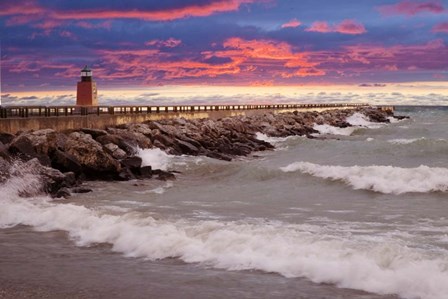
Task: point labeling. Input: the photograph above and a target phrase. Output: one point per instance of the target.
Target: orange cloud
(292, 24)
(244, 60)
(29, 11)
(157, 15)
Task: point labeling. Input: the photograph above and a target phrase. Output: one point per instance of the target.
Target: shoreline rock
(64, 159)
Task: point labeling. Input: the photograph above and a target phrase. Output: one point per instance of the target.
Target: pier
(17, 118)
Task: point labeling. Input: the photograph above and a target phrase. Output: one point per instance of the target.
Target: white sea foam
(327, 129)
(383, 266)
(357, 120)
(157, 190)
(380, 264)
(393, 120)
(384, 179)
(155, 157)
(360, 120)
(273, 140)
(405, 141)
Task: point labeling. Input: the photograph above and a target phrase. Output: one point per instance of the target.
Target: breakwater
(14, 119)
(64, 158)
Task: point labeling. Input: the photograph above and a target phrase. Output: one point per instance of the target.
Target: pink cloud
(292, 24)
(26, 11)
(319, 26)
(442, 27)
(157, 15)
(345, 27)
(350, 27)
(411, 8)
(21, 7)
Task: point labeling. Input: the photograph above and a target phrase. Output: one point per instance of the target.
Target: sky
(391, 51)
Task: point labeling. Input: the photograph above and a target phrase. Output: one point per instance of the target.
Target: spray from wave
(327, 129)
(385, 266)
(383, 179)
(357, 120)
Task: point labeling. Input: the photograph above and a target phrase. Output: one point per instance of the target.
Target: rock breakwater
(64, 159)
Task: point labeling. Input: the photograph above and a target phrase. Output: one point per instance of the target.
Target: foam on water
(360, 120)
(357, 120)
(384, 179)
(155, 157)
(378, 264)
(159, 159)
(274, 140)
(327, 129)
(157, 190)
(405, 141)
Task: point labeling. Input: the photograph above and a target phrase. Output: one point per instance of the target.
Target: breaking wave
(357, 120)
(383, 179)
(327, 129)
(155, 157)
(360, 120)
(381, 265)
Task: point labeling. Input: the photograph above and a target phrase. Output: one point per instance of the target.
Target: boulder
(134, 139)
(126, 174)
(95, 161)
(115, 151)
(95, 133)
(145, 172)
(6, 138)
(133, 163)
(66, 162)
(117, 140)
(22, 148)
(187, 148)
(50, 180)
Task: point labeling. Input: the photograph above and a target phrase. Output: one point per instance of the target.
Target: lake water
(360, 214)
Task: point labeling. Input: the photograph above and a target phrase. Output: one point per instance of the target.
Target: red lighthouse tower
(86, 92)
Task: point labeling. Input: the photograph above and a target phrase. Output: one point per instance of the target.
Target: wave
(327, 129)
(405, 141)
(360, 120)
(158, 159)
(383, 179)
(264, 137)
(382, 265)
(357, 120)
(423, 141)
(155, 157)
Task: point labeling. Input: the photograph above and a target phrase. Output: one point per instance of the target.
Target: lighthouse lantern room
(86, 92)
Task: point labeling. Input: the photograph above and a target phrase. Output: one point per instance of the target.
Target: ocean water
(359, 214)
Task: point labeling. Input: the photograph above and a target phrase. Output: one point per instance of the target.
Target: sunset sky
(209, 49)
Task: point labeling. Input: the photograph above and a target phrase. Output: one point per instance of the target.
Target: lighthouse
(86, 92)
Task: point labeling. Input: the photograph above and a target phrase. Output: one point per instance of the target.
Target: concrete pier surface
(14, 118)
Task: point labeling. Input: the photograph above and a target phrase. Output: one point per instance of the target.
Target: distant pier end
(86, 94)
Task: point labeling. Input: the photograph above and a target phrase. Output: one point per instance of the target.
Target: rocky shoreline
(63, 160)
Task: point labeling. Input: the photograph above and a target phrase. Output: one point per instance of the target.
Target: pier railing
(61, 111)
